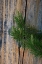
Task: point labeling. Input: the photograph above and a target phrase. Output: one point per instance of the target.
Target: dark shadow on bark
(24, 29)
(19, 45)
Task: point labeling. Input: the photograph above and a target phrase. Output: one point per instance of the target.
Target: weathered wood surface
(9, 53)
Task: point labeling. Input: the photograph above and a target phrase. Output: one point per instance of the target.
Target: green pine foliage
(33, 37)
